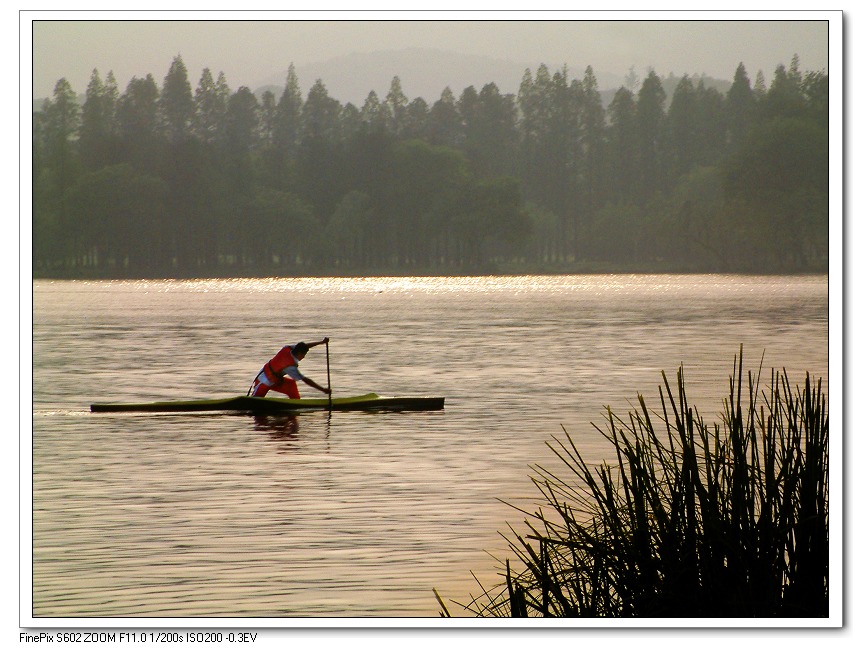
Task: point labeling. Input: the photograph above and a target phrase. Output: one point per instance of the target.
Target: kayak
(254, 405)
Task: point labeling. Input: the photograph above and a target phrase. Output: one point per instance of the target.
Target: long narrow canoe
(254, 405)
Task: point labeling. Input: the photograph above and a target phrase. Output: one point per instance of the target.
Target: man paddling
(282, 372)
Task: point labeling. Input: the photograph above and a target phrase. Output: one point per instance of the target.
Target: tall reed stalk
(692, 520)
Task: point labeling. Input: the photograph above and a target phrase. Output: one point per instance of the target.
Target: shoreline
(508, 270)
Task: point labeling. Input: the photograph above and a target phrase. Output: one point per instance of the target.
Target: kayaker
(282, 372)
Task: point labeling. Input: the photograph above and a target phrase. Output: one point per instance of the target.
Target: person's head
(299, 350)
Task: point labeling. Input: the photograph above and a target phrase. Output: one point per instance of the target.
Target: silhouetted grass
(692, 520)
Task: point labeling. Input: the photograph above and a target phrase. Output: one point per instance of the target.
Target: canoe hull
(253, 405)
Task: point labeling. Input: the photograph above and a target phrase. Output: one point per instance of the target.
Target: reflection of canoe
(274, 405)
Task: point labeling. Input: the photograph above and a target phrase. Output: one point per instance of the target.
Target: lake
(351, 514)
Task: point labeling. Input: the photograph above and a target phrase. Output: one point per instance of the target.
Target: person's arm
(309, 381)
(314, 344)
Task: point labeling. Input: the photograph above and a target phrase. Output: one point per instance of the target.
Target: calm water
(356, 514)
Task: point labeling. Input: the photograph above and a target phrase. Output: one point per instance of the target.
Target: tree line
(171, 181)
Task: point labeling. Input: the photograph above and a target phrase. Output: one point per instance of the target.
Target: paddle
(328, 382)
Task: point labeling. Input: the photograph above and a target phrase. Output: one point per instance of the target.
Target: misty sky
(251, 51)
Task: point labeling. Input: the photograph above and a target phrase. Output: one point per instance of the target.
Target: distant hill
(427, 72)
(423, 73)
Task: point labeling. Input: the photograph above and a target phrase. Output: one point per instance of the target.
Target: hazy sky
(251, 51)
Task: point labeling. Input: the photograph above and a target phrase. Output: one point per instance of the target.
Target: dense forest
(170, 181)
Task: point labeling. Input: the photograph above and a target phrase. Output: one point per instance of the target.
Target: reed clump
(691, 520)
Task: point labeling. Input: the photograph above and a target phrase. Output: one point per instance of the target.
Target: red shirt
(284, 363)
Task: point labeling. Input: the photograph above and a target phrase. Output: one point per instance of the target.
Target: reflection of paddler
(282, 372)
(280, 428)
